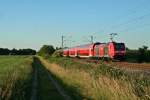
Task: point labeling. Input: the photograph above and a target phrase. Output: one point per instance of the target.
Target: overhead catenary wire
(130, 21)
(116, 26)
(89, 38)
(134, 28)
(67, 41)
(134, 20)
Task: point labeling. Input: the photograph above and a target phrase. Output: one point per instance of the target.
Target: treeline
(6, 51)
(140, 55)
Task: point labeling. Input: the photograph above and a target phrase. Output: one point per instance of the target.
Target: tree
(127, 49)
(143, 54)
(46, 50)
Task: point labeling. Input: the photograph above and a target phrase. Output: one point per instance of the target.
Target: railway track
(136, 66)
(121, 65)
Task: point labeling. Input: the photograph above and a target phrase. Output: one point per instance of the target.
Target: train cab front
(119, 51)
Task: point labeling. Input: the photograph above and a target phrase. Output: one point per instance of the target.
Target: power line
(89, 39)
(132, 21)
(66, 41)
(129, 21)
(135, 27)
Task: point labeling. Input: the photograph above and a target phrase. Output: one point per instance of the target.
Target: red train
(111, 50)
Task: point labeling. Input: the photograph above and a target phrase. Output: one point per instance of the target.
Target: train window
(119, 46)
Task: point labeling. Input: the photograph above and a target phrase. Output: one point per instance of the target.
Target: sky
(33, 23)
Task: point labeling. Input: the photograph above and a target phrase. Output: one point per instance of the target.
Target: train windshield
(119, 46)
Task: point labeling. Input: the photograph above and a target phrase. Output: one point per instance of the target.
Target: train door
(106, 51)
(101, 51)
(78, 53)
(111, 50)
(96, 51)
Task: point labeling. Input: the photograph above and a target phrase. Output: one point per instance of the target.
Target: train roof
(114, 42)
(91, 45)
(87, 45)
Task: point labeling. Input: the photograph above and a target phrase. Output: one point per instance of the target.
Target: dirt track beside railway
(44, 87)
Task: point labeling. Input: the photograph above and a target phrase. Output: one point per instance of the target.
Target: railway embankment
(83, 81)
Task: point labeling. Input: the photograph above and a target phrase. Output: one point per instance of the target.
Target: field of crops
(15, 77)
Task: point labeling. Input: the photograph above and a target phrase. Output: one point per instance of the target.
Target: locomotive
(112, 50)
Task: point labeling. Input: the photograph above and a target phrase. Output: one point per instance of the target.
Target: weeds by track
(136, 84)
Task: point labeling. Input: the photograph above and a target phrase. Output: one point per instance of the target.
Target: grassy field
(15, 77)
(17, 74)
(83, 81)
(80, 80)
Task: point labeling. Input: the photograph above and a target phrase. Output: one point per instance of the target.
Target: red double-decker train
(111, 50)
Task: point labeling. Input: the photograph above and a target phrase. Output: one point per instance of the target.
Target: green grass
(15, 77)
(100, 82)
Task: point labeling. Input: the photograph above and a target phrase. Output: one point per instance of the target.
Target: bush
(46, 50)
(131, 55)
(140, 55)
(139, 81)
(144, 54)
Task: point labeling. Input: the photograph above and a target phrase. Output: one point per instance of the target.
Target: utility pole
(92, 39)
(62, 42)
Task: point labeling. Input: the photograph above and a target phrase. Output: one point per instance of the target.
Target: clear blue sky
(32, 23)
